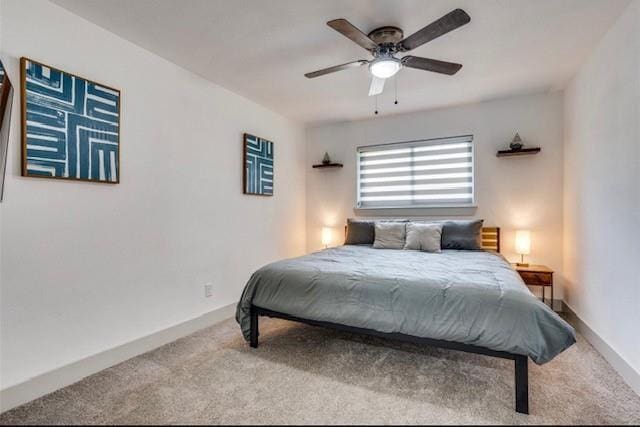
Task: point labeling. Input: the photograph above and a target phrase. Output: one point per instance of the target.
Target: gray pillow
(463, 235)
(359, 232)
(362, 232)
(423, 237)
(389, 235)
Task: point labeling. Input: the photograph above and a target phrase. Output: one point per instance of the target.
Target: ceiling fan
(385, 42)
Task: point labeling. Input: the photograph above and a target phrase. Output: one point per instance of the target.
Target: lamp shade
(523, 242)
(327, 236)
(383, 68)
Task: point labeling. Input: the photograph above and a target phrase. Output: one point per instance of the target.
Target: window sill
(462, 210)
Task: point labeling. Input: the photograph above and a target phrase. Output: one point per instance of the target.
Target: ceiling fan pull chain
(376, 112)
(395, 83)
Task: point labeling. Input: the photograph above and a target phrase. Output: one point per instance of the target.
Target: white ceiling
(261, 49)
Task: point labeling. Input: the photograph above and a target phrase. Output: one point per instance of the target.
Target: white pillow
(389, 235)
(423, 237)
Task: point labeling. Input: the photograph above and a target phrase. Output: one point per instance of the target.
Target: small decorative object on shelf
(326, 160)
(516, 148)
(327, 163)
(516, 144)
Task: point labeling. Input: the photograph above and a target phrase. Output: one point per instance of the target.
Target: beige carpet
(302, 374)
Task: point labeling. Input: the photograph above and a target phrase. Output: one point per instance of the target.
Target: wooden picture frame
(90, 112)
(258, 166)
(6, 105)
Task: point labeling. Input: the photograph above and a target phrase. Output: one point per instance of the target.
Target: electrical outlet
(208, 290)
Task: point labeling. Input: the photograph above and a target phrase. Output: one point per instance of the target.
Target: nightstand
(537, 275)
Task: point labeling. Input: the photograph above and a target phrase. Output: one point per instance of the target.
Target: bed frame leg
(254, 329)
(522, 385)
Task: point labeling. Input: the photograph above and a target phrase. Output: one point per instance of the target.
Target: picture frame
(70, 125)
(258, 166)
(6, 105)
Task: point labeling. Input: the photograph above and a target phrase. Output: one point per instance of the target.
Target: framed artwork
(258, 166)
(70, 126)
(6, 101)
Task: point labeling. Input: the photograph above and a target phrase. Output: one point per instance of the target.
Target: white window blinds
(426, 173)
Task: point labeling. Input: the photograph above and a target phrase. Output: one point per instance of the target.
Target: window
(426, 173)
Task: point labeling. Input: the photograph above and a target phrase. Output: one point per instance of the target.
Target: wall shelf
(327, 165)
(521, 152)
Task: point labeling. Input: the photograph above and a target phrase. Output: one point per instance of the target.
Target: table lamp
(327, 236)
(523, 246)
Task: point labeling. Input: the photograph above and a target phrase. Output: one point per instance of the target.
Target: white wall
(602, 189)
(86, 267)
(511, 193)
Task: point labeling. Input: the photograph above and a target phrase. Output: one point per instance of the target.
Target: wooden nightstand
(537, 275)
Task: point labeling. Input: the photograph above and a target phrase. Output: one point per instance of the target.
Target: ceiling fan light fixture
(383, 68)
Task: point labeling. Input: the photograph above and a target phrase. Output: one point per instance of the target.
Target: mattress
(469, 297)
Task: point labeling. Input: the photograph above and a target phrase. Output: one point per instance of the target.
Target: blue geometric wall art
(258, 166)
(70, 126)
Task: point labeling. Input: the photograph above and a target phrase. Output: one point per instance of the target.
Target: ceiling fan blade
(447, 23)
(350, 31)
(376, 86)
(429, 64)
(335, 68)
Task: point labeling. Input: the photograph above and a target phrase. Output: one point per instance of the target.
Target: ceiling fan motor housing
(386, 35)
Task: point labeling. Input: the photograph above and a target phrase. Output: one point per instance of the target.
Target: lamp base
(522, 263)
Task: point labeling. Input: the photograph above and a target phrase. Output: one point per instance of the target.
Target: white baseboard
(626, 371)
(66, 375)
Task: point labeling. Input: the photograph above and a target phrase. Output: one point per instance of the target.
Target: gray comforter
(470, 297)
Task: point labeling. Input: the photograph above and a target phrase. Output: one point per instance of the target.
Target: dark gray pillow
(360, 232)
(463, 235)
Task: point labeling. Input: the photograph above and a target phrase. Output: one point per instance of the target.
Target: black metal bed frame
(521, 371)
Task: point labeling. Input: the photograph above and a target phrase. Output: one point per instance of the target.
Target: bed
(471, 301)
